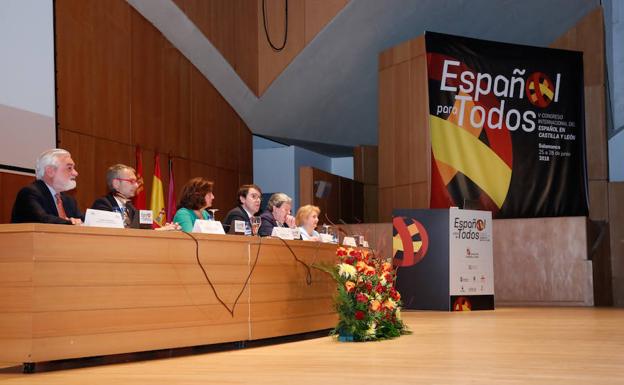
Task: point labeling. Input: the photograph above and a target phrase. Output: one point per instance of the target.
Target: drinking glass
(255, 225)
(212, 214)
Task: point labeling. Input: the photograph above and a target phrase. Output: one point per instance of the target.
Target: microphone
(333, 224)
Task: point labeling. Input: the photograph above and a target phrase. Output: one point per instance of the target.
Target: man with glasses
(249, 198)
(122, 185)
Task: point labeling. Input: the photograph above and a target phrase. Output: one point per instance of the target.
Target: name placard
(327, 238)
(208, 227)
(349, 241)
(146, 217)
(101, 218)
(240, 226)
(285, 233)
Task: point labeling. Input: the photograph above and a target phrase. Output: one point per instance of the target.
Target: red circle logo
(410, 241)
(540, 89)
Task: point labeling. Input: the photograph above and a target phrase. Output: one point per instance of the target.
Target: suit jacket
(238, 213)
(108, 202)
(34, 203)
(267, 224)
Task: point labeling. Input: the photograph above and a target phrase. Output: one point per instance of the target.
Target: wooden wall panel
(231, 26)
(147, 83)
(588, 36)
(318, 13)
(365, 164)
(245, 148)
(271, 63)
(110, 74)
(227, 185)
(306, 186)
(596, 133)
(345, 200)
(236, 29)
(177, 117)
(365, 160)
(121, 83)
(386, 128)
(402, 128)
(73, 64)
(404, 148)
(10, 184)
(419, 137)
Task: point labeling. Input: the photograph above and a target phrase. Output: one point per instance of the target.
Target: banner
(507, 128)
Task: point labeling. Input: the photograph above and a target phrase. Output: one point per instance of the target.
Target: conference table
(75, 291)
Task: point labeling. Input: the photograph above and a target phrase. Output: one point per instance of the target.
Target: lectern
(444, 258)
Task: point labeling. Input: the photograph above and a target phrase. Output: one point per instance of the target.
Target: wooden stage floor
(505, 346)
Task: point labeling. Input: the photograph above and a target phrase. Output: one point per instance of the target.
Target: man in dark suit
(249, 197)
(44, 200)
(122, 185)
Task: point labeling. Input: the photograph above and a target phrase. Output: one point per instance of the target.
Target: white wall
(342, 166)
(616, 158)
(614, 47)
(273, 170)
(276, 166)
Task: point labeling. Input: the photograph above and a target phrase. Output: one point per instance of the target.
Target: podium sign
(444, 258)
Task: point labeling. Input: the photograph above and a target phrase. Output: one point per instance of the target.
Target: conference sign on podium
(444, 258)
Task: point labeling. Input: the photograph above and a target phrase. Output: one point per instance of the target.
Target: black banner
(507, 128)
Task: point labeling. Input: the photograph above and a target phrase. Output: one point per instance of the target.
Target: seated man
(249, 198)
(277, 214)
(122, 186)
(44, 200)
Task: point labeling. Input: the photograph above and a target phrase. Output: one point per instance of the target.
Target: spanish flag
(157, 202)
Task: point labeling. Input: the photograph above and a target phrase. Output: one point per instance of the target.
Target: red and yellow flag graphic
(157, 201)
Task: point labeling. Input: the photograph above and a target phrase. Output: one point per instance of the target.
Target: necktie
(59, 206)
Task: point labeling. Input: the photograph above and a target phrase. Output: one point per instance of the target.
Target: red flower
(395, 294)
(350, 260)
(379, 288)
(369, 286)
(356, 253)
(341, 251)
(359, 315)
(361, 298)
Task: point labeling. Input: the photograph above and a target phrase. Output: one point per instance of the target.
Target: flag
(139, 196)
(157, 201)
(171, 197)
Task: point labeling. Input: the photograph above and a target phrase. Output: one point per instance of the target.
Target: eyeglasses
(131, 181)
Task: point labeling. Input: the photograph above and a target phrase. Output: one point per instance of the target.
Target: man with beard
(45, 200)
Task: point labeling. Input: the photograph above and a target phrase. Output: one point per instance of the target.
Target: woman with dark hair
(196, 197)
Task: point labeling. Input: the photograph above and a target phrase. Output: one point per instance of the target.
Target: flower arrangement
(367, 303)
